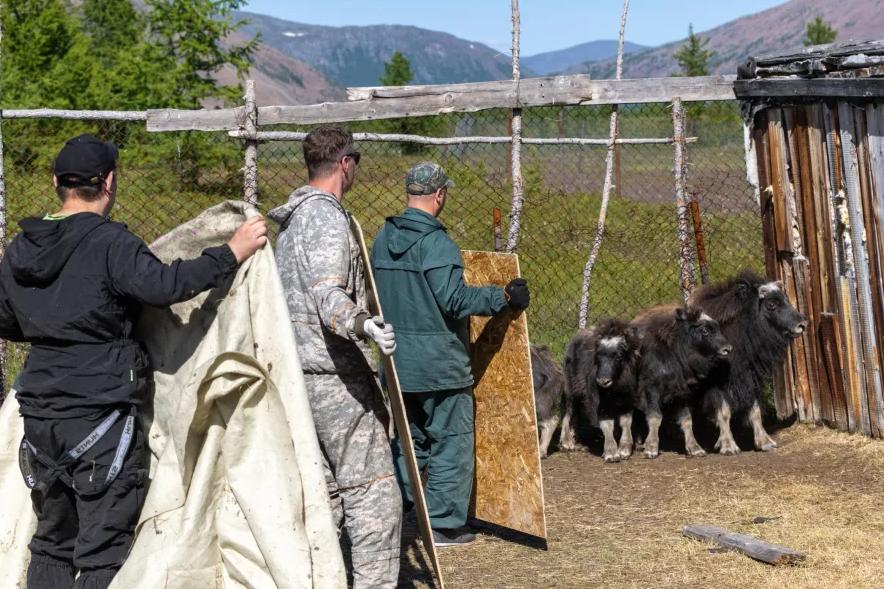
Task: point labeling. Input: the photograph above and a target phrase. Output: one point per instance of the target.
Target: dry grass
(620, 525)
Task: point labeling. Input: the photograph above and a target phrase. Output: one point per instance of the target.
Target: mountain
(556, 61)
(355, 55)
(280, 79)
(775, 30)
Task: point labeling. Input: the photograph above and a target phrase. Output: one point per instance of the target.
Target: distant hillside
(280, 79)
(355, 56)
(557, 61)
(774, 30)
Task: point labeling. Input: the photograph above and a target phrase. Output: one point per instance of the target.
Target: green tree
(693, 58)
(188, 38)
(819, 32)
(397, 71)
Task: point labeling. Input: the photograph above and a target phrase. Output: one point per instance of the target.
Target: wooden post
(618, 176)
(512, 241)
(685, 255)
(498, 237)
(250, 172)
(606, 188)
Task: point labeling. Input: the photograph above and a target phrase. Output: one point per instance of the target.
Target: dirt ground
(619, 525)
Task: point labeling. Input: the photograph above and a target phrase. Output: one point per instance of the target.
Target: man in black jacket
(71, 284)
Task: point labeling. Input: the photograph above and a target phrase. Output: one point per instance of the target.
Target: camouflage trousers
(350, 418)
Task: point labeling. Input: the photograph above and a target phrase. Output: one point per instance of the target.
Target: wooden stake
(2, 237)
(498, 237)
(512, 241)
(606, 188)
(685, 253)
(699, 240)
(250, 172)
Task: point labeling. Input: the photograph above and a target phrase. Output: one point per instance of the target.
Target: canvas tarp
(238, 495)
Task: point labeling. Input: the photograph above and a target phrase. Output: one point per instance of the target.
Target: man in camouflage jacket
(324, 280)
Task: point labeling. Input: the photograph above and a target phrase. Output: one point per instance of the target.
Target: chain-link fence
(168, 178)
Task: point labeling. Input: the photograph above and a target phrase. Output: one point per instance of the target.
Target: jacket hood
(404, 230)
(39, 253)
(282, 213)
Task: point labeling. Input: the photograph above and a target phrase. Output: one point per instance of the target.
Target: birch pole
(685, 253)
(512, 241)
(2, 233)
(250, 172)
(606, 188)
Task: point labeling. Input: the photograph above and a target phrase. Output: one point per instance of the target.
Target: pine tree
(693, 58)
(397, 71)
(819, 32)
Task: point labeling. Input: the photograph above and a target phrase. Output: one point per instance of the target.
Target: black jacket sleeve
(9, 327)
(137, 273)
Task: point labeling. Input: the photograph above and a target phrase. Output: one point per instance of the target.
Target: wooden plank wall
(832, 375)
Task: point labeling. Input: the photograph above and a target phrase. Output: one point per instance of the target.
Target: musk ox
(600, 375)
(549, 386)
(680, 347)
(757, 319)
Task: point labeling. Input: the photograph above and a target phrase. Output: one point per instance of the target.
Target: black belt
(58, 470)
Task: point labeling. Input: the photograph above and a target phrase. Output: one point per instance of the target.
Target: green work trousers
(441, 426)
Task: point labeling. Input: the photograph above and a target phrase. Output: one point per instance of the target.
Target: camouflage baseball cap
(426, 178)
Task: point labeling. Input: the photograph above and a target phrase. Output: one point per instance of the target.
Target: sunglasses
(354, 155)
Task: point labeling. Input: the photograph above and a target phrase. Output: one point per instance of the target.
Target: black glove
(517, 294)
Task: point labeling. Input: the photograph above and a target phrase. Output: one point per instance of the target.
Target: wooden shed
(815, 150)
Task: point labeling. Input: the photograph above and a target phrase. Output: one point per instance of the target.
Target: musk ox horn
(769, 287)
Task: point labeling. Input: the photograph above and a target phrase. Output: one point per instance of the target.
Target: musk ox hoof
(696, 452)
(728, 448)
(567, 446)
(651, 453)
(614, 457)
(625, 453)
(768, 446)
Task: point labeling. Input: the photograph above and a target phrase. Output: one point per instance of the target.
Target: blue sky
(546, 24)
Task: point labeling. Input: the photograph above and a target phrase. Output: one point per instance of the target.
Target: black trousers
(87, 528)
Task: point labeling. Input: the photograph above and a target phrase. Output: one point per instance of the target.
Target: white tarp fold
(238, 495)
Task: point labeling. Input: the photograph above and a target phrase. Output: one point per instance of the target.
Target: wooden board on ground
(508, 489)
(397, 406)
(748, 545)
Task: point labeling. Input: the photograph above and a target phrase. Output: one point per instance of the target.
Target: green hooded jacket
(419, 273)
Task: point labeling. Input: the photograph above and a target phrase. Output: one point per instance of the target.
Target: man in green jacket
(419, 272)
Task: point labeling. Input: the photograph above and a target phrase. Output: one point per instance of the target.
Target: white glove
(381, 333)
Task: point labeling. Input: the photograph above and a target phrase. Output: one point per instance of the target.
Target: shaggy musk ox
(600, 375)
(549, 386)
(680, 347)
(758, 320)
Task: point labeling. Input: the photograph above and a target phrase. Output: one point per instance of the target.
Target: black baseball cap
(85, 161)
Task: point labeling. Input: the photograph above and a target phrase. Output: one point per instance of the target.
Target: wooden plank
(508, 488)
(221, 119)
(751, 546)
(858, 408)
(874, 314)
(412, 101)
(809, 88)
(400, 419)
(798, 356)
(564, 90)
(830, 344)
(808, 300)
(779, 181)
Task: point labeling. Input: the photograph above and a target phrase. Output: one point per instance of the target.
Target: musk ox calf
(757, 319)
(549, 386)
(680, 347)
(600, 375)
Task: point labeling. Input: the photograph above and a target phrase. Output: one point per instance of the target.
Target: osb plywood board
(508, 488)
